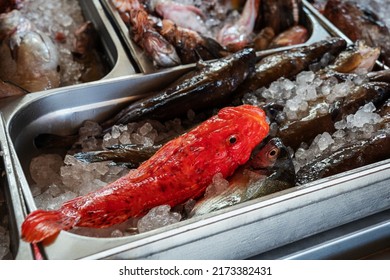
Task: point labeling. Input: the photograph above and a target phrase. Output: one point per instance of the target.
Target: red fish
(180, 170)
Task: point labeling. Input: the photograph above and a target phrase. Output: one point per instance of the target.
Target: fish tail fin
(42, 224)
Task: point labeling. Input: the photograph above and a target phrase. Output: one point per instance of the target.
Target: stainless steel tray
(120, 63)
(238, 232)
(145, 65)
(14, 200)
(367, 238)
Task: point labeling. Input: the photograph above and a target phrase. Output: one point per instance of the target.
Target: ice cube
(145, 129)
(311, 93)
(125, 138)
(117, 233)
(158, 217)
(305, 77)
(89, 129)
(115, 132)
(45, 169)
(109, 141)
(325, 141)
(218, 185)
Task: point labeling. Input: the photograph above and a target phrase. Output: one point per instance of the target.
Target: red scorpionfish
(180, 170)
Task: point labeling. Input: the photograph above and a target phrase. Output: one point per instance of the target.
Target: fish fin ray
(42, 224)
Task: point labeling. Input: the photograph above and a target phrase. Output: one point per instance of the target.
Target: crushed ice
(307, 95)
(158, 217)
(312, 96)
(217, 186)
(361, 125)
(59, 17)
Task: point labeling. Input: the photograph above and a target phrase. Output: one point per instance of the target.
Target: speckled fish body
(180, 170)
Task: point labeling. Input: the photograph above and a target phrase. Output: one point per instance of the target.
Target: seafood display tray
(145, 65)
(238, 232)
(119, 63)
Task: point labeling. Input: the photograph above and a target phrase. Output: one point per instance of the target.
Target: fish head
(230, 137)
(249, 126)
(268, 152)
(271, 169)
(271, 156)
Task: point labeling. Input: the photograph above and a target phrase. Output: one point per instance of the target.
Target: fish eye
(274, 153)
(232, 139)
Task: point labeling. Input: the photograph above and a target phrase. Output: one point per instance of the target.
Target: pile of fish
(39, 53)
(305, 100)
(172, 33)
(361, 20)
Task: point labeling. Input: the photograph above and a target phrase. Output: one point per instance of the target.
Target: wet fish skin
(356, 58)
(142, 31)
(179, 171)
(9, 5)
(263, 39)
(288, 63)
(186, 16)
(359, 23)
(295, 35)
(280, 14)
(131, 155)
(238, 35)
(304, 130)
(162, 53)
(351, 155)
(205, 87)
(28, 57)
(190, 45)
(379, 76)
(85, 39)
(269, 170)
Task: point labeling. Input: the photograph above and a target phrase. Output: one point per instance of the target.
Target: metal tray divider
(93, 9)
(330, 27)
(18, 206)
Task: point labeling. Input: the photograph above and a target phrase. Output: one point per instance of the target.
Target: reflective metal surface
(14, 199)
(120, 64)
(367, 238)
